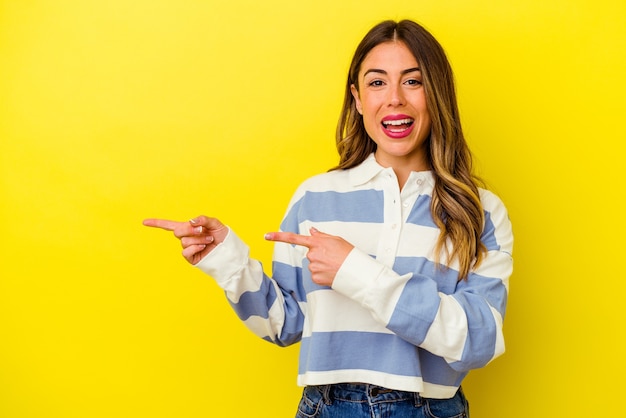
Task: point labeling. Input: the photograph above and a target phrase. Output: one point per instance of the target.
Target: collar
(370, 168)
(365, 171)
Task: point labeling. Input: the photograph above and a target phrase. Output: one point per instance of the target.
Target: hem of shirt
(389, 381)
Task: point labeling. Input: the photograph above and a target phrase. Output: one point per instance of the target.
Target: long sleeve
(463, 326)
(391, 318)
(270, 307)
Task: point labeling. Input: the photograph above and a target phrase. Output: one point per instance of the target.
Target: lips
(397, 126)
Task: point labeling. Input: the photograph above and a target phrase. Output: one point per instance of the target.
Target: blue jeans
(357, 400)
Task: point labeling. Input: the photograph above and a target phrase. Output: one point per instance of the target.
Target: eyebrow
(379, 71)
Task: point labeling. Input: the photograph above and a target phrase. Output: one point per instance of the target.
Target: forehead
(389, 56)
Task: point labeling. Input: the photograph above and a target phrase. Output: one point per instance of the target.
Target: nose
(396, 95)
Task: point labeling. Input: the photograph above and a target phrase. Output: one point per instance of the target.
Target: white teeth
(397, 122)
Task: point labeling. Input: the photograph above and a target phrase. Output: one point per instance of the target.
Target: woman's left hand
(326, 252)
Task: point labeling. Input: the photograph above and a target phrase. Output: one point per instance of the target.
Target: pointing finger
(289, 238)
(162, 223)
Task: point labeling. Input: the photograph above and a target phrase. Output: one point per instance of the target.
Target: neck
(403, 176)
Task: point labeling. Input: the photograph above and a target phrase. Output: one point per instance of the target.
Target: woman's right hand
(198, 236)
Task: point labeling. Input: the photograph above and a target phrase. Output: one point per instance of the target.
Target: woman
(391, 269)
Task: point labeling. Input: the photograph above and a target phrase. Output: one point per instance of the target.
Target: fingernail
(268, 236)
(209, 238)
(193, 221)
(198, 229)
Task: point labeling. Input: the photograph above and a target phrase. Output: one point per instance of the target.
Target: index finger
(289, 238)
(162, 223)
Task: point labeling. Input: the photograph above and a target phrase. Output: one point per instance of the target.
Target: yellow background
(113, 111)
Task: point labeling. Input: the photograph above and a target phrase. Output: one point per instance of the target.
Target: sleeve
(269, 307)
(463, 327)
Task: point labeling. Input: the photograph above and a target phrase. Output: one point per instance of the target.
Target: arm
(269, 307)
(465, 326)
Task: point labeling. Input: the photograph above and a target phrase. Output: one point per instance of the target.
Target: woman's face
(393, 104)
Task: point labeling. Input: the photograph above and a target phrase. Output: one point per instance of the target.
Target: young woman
(391, 269)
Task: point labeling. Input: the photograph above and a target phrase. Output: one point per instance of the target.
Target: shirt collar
(370, 168)
(365, 171)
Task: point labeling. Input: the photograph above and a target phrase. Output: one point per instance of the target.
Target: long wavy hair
(455, 206)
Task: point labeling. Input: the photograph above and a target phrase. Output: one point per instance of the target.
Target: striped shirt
(392, 317)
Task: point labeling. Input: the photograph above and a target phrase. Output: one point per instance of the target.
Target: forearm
(266, 309)
(462, 327)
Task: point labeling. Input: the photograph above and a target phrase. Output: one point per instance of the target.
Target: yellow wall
(112, 111)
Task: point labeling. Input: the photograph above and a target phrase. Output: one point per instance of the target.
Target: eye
(376, 83)
(413, 82)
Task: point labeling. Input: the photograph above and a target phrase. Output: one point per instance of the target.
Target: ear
(357, 99)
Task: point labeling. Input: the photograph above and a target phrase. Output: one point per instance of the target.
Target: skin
(391, 87)
(326, 252)
(198, 237)
(203, 234)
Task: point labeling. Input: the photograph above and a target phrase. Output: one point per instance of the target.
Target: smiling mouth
(398, 125)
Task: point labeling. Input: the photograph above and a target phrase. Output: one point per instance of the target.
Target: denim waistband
(364, 392)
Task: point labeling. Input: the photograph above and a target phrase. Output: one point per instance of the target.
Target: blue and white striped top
(392, 317)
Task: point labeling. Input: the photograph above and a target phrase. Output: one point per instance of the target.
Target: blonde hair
(455, 207)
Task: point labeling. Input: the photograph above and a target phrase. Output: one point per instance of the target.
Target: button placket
(390, 229)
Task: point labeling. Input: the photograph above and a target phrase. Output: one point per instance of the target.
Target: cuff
(357, 276)
(227, 259)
